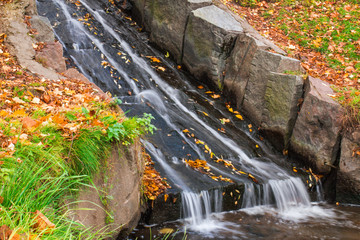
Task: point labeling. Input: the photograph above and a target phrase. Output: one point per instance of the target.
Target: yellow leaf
(17, 113)
(199, 142)
(3, 113)
(230, 109)
(166, 231)
(186, 131)
(215, 96)
(207, 148)
(239, 117)
(166, 197)
(294, 169)
(209, 92)
(205, 114)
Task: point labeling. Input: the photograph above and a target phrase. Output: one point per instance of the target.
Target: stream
(193, 123)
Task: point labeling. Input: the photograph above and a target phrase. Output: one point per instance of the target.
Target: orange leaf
(166, 197)
(42, 223)
(29, 123)
(155, 59)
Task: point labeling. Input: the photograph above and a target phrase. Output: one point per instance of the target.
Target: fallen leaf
(42, 223)
(36, 100)
(155, 59)
(29, 123)
(239, 117)
(166, 230)
(18, 100)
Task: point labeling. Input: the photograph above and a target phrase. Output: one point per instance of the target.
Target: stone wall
(113, 202)
(294, 112)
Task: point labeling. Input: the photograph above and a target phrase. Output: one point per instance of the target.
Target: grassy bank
(53, 137)
(324, 35)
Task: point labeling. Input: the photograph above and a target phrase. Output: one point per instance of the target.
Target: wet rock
(117, 202)
(51, 56)
(209, 38)
(281, 106)
(262, 67)
(43, 27)
(316, 135)
(166, 20)
(348, 183)
(124, 5)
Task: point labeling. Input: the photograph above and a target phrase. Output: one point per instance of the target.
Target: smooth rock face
(316, 135)
(18, 32)
(209, 38)
(348, 184)
(262, 66)
(119, 183)
(52, 56)
(43, 27)
(238, 65)
(167, 21)
(281, 106)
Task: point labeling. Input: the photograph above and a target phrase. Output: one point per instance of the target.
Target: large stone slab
(25, 53)
(316, 135)
(51, 56)
(43, 27)
(114, 203)
(166, 20)
(282, 96)
(263, 65)
(348, 182)
(209, 38)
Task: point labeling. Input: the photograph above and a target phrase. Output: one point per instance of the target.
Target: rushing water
(114, 55)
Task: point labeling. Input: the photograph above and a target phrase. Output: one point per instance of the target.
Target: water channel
(194, 123)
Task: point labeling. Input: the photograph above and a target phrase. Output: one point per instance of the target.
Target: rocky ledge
(294, 111)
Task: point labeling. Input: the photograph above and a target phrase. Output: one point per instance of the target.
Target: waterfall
(175, 113)
(282, 194)
(197, 207)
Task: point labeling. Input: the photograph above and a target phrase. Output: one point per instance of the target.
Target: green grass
(46, 167)
(331, 29)
(350, 99)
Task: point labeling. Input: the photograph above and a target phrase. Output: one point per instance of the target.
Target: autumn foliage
(54, 135)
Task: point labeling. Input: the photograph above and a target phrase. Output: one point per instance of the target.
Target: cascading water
(197, 207)
(114, 56)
